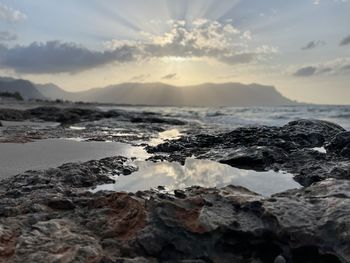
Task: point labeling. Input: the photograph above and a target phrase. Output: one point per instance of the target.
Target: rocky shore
(92, 124)
(52, 216)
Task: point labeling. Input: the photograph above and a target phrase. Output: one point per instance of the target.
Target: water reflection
(172, 134)
(202, 173)
(320, 149)
(16, 158)
(31, 124)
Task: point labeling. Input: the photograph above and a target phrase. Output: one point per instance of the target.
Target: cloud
(170, 76)
(10, 15)
(346, 67)
(345, 41)
(58, 57)
(305, 72)
(335, 67)
(200, 39)
(7, 36)
(313, 45)
(141, 77)
(317, 2)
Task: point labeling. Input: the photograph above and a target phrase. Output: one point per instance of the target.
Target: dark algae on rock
(53, 216)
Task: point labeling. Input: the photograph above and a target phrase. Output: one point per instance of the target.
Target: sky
(302, 47)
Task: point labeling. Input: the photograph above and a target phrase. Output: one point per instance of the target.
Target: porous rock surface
(49, 216)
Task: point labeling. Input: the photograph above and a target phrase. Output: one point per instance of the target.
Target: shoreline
(51, 214)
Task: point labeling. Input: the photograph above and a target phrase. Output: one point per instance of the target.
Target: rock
(314, 130)
(346, 151)
(280, 259)
(13, 115)
(68, 116)
(157, 120)
(197, 225)
(256, 157)
(60, 204)
(287, 148)
(180, 194)
(56, 240)
(340, 144)
(51, 216)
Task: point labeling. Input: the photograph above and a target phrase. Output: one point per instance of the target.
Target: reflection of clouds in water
(202, 173)
(172, 134)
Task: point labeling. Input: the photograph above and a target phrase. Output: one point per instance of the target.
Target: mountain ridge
(26, 88)
(157, 94)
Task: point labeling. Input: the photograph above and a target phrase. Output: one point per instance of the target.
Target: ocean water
(233, 117)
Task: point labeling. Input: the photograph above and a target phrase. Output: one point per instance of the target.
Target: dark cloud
(242, 58)
(339, 66)
(7, 36)
(170, 76)
(305, 72)
(141, 77)
(345, 41)
(58, 57)
(346, 67)
(201, 39)
(313, 45)
(324, 70)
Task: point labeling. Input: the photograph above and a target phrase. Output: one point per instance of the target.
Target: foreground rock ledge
(48, 216)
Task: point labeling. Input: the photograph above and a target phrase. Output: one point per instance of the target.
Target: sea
(234, 117)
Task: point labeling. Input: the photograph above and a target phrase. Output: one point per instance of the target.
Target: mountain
(156, 94)
(24, 87)
(53, 91)
(160, 94)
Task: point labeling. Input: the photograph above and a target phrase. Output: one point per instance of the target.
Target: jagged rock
(56, 240)
(179, 194)
(60, 204)
(316, 131)
(67, 116)
(157, 120)
(287, 148)
(256, 157)
(340, 144)
(57, 219)
(13, 115)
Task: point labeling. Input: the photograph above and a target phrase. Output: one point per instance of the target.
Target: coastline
(52, 215)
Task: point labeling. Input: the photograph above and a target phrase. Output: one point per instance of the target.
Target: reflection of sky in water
(29, 124)
(16, 158)
(202, 173)
(320, 149)
(172, 134)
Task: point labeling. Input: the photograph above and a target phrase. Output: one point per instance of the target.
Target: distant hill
(160, 94)
(23, 87)
(156, 94)
(53, 91)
